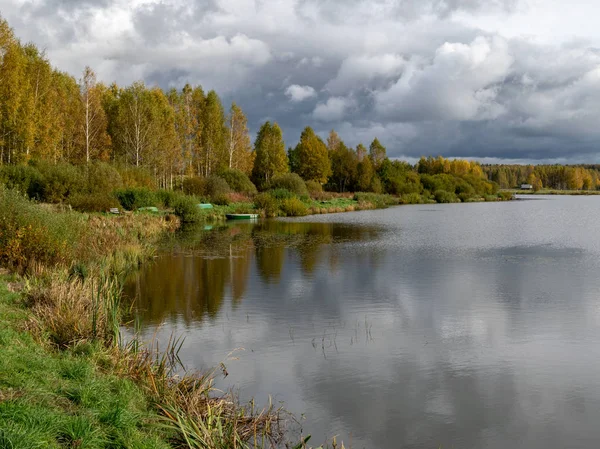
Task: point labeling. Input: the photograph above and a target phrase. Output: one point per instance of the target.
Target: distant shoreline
(553, 192)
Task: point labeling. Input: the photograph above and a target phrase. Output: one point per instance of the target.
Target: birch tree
(239, 148)
(96, 138)
(134, 123)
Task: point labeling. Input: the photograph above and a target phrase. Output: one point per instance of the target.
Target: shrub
(291, 182)
(293, 207)
(326, 196)
(466, 197)
(314, 187)
(281, 194)
(132, 199)
(167, 198)
(31, 233)
(186, 208)
(244, 209)
(194, 186)
(137, 177)
(505, 196)
(377, 200)
(59, 182)
(103, 178)
(236, 197)
(221, 200)
(24, 178)
(216, 187)
(442, 196)
(403, 183)
(411, 198)
(93, 202)
(464, 188)
(267, 203)
(376, 186)
(238, 181)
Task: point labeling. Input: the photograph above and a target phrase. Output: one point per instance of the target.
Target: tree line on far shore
(558, 177)
(47, 117)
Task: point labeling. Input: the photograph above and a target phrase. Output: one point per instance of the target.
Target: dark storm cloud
(158, 21)
(416, 74)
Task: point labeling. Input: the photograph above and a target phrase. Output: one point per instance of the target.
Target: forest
(72, 140)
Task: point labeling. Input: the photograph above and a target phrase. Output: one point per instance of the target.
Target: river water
(427, 326)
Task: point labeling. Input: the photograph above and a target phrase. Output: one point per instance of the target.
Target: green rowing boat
(242, 216)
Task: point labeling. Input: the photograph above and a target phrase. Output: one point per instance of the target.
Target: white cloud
(461, 83)
(298, 93)
(490, 78)
(332, 110)
(357, 71)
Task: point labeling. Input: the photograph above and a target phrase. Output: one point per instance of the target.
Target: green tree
(344, 168)
(534, 181)
(270, 158)
(69, 117)
(12, 79)
(132, 127)
(313, 160)
(164, 154)
(292, 155)
(188, 109)
(142, 127)
(214, 135)
(365, 173)
(377, 153)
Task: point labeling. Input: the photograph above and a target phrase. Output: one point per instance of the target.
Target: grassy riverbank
(65, 398)
(284, 203)
(66, 378)
(552, 192)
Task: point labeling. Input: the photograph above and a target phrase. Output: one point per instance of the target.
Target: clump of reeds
(71, 311)
(198, 415)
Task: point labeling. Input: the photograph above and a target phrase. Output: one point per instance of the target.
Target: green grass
(62, 399)
(334, 202)
(553, 192)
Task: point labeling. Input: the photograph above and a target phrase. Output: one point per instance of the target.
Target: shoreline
(335, 205)
(67, 374)
(554, 192)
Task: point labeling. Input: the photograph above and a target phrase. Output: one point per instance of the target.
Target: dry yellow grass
(73, 311)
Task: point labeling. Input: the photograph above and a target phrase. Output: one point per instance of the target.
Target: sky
(492, 80)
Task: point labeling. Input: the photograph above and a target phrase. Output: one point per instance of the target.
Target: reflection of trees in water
(190, 286)
(240, 268)
(269, 260)
(192, 280)
(307, 239)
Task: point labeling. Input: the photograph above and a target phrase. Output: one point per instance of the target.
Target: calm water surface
(454, 326)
